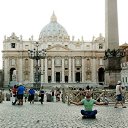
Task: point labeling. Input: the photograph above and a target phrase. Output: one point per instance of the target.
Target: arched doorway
(77, 76)
(101, 76)
(12, 74)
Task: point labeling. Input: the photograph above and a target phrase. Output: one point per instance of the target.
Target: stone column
(83, 70)
(31, 71)
(42, 70)
(20, 70)
(63, 70)
(6, 72)
(94, 71)
(53, 67)
(69, 80)
(73, 69)
(46, 69)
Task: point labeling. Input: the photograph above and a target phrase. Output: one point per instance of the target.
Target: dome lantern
(53, 18)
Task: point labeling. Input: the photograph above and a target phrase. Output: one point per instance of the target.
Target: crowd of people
(22, 94)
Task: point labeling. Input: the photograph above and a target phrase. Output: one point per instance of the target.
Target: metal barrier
(103, 95)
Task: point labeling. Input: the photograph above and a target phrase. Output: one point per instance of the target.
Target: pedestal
(113, 66)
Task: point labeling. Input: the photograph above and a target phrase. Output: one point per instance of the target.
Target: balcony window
(12, 45)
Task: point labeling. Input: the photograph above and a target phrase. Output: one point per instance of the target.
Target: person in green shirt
(88, 103)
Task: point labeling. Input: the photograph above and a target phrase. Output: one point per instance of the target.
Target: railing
(77, 94)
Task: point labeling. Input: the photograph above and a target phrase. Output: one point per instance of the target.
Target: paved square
(59, 115)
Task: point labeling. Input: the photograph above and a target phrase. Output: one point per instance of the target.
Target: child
(26, 95)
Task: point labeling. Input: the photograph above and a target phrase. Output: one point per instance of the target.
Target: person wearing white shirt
(119, 97)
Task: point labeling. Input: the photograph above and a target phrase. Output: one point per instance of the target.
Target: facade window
(12, 45)
(49, 46)
(66, 46)
(101, 61)
(49, 62)
(78, 62)
(100, 46)
(58, 62)
(66, 62)
(66, 68)
(12, 62)
(26, 46)
(88, 46)
(126, 80)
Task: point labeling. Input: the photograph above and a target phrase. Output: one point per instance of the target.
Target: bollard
(1, 97)
(68, 96)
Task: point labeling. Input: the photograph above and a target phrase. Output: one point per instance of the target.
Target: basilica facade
(67, 60)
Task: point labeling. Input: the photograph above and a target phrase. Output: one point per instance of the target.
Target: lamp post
(37, 55)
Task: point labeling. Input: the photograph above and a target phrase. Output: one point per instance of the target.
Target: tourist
(87, 87)
(58, 92)
(20, 93)
(31, 95)
(88, 103)
(52, 93)
(41, 95)
(26, 95)
(119, 97)
(14, 94)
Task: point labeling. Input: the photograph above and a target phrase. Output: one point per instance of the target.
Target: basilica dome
(53, 31)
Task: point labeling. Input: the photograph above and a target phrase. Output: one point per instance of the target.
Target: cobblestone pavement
(59, 115)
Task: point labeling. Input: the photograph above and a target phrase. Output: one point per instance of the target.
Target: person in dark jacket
(41, 94)
(31, 95)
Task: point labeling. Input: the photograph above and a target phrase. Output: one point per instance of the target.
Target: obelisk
(111, 25)
(112, 54)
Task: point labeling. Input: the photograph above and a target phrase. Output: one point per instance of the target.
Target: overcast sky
(79, 17)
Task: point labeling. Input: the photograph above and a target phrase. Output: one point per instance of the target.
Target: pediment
(13, 38)
(100, 39)
(58, 48)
